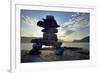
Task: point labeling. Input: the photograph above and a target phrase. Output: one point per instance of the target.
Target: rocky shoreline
(47, 54)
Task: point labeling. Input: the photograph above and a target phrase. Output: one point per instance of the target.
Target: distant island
(85, 39)
(28, 39)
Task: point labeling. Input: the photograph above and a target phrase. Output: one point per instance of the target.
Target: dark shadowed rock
(36, 49)
(39, 40)
(50, 30)
(48, 22)
(50, 37)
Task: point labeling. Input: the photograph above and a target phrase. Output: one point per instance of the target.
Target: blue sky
(73, 25)
(59, 16)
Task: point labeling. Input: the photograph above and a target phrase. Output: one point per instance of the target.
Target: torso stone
(50, 30)
(50, 36)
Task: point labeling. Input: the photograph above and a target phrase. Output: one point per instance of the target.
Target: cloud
(29, 26)
(69, 32)
(77, 22)
(28, 21)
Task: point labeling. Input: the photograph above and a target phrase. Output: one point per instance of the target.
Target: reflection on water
(85, 46)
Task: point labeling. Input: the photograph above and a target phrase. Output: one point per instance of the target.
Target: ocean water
(85, 46)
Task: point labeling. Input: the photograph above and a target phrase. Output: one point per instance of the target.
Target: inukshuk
(49, 36)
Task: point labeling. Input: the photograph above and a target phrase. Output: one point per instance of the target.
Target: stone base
(34, 52)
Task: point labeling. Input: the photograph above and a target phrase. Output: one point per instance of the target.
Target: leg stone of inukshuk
(59, 51)
(35, 49)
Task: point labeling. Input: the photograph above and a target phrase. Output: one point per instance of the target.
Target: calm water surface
(85, 46)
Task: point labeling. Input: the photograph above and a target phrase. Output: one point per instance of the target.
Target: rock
(50, 36)
(50, 30)
(35, 49)
(32, 58)
(39, 40)
(59, 51)
(48, 22)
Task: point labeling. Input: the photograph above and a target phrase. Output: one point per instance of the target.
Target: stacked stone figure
(49, 36)
(49, 32)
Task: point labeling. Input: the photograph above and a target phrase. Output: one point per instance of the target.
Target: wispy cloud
(78, 22)
(29, 26)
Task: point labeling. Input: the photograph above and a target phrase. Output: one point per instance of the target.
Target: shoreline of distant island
(28, 39)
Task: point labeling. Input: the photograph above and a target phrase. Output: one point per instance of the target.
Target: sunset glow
(73, 25)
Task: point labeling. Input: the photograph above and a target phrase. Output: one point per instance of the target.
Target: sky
(73, 25)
